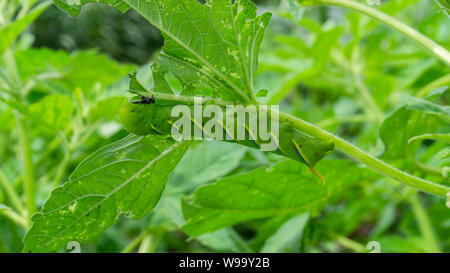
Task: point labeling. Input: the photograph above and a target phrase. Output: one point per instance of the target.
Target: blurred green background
(315, 62)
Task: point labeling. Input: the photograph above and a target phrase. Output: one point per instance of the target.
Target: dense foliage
(70, 172)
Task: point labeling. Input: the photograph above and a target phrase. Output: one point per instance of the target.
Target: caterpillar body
(144, 116)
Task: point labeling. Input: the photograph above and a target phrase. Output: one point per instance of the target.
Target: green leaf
(287, 237)
(73, 7)
(261, 93)
(287, 187)
(107, 108)
(81, 69)
(385, 220)
(296, 11)
(51, 114)
(425, 106)
(444, 5)
(444, 153)
(192, 171)
(305, 69)
(7, 120)
(401, 126)
(398, 244)
(439, 137)
(10, 32)
(210, 47)
(225, 240)
(267, 229)
(126, 177)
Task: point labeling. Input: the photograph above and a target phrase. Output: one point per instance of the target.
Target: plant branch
(425, 226)
(25, 8)
(28, 171)
(442, 81)
(16, 218)
(148, 244)
(351, 244)
(10, 192)
(363, 157)
(406, 30)
(368, 98)
(345, 119)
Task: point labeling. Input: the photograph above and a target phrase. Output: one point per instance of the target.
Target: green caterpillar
(143, 116)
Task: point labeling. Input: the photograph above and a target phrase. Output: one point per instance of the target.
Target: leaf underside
(126, 177)
(209, 49)
(254, 195)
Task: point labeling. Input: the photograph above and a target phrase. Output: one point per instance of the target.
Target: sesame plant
(364, 131)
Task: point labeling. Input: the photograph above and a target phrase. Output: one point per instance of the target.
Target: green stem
(430, 239)
(363, 157)
(427, 169)
(28, 171)
(351, 244)
(345, 119)
(16, 218)
(2, 18)
(25, 8)
(355, 68)
(444, 80)
(135, 242)
(11, 193)
(409, 32)
(52, 146)
(148, 244)
(61, 169)
(14, 79)
(368, 98)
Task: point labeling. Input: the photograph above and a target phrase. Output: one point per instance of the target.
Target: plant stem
(356, 68)
(431, 242)
(14, 79)
(351, 244)
(409, 32)
(427, 169)
(11, 193)
(61, 169)
(16, 218)
(25, 8)
(28, 171)
(363, 157)
(444, 80)
(345, 119)
(136, 241)
(368, 98)
(147, 244)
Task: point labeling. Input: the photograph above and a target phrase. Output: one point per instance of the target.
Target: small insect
(145, 100)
